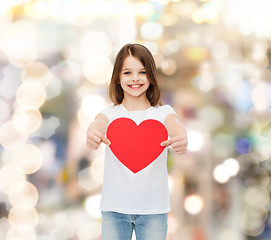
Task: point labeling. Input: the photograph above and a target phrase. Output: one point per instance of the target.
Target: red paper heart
(136, 146)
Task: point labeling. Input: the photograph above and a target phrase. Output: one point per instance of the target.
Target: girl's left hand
(178, 144)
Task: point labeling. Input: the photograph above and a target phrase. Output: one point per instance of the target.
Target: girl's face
(133, 78)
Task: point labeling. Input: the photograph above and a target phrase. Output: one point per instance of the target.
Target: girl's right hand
(96, 132)
(95, 138)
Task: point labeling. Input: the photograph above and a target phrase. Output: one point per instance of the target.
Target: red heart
(136, 146)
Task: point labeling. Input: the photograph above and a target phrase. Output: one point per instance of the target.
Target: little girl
(135, 193)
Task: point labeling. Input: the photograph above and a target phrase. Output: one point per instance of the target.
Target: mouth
(135, 86)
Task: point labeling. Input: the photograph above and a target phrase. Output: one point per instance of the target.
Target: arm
(96, 132)
(177, 134)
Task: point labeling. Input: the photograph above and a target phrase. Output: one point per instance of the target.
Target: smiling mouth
(135, 85)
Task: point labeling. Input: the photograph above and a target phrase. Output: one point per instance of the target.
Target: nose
(135, 78)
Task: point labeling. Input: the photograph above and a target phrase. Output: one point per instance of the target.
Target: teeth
(136, 85)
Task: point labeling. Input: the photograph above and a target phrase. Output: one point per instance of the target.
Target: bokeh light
(256, 196)
(37, 71)
(220, 175)
(257, 177)
(10, 137)
(95, 44)
(85, 180)
(262, 117)
(259, 96)
(92, 230)
(168, 67)
(172, 223)
(54, 88)
(23, 215)
(12, 179)
(30, 95)
(223, 172)
(193, 204)
(28, 195)
(253, 220)
(18, 232)
(26, 121)
(92, 206)
(96, 169)
(29, 158)
(18, 32)
(98, 70)
(151, 31)
(257, 25)
(227, 233)
(263, 147)
(145, 9)
(38, 9)
(18, 43)
(243, 145)
(195, 140)
(91, 106)
(76, 13)
(196, 53)
(6, 16)
(231, 166)
(22, 55)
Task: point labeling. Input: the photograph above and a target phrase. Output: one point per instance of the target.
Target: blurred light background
(213, 59)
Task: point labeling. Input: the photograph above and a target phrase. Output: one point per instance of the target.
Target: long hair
(145, 57)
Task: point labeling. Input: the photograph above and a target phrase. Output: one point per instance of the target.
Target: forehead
(132, 62)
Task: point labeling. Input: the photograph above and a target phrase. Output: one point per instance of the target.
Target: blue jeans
(118, 226)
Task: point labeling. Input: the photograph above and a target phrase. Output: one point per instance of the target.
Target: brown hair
(145, 57)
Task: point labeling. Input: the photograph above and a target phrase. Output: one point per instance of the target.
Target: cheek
(120, 80)
(122, 83)
(147, 79)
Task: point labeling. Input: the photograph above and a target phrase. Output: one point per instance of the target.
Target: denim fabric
(118, 226)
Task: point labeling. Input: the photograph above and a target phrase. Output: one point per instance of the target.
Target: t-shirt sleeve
(166, 110)
(108, 112)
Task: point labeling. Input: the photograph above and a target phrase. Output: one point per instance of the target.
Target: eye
(143, 72)
(126, 73)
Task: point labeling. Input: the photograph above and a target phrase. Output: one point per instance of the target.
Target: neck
(136, 104)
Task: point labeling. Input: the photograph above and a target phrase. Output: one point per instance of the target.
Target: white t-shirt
(143, 191)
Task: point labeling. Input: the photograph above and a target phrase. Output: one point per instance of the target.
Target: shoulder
(111, 111)
(165, 109)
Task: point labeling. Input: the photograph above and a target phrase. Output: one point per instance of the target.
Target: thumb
(166, 143)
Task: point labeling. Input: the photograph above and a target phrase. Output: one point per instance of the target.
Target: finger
(93, 145)
(103, 138)
(178, 146)
(177, 150)
(171, 141)
(185, 140)
(181, 152)
(96, 139)
(166, 143)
